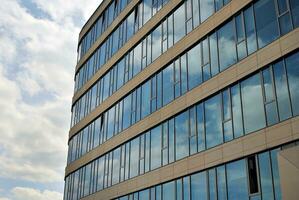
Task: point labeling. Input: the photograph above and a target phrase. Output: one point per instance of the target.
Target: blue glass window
(254, 119)
(237, 180)
(266, 176)
(206, 9)
(181, 136)
(179, 23)
(156, 142)
(266, 22)
(213, 121)
(168, 90)
(292, 65)
(282, 91)
(227, 47)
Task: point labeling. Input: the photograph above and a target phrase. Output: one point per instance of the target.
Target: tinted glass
(181, 136)
(266, 22)
(168, 191)
(213, 121)
(134, 157)
(194, 69)
(295, 12)
(156, 147)
(292, 65)
(237, 180)
(282, 91)
(206, 9)
(168, 91)
(266, 176)
(227, 48)
(254, 119)
(179, 23)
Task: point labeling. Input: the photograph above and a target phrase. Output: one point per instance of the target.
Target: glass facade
(264, 98)
(181, 75)
(218, 51)
(205, 123)
(228, 181)
(124, 31)
(143, 54)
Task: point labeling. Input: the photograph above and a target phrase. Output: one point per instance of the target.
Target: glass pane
(146, 99)
(292, 65)
(266, 22)
(134, 155)
(282, 92)
(285, 23)
(266, 176)
(144, 195)
(179, 23)
(271, 112)
(168, 191)
(179, 189)
(206, 9)
(221, 183)
(200, 127)
(237, 111)
(168, 91)
(193, 133)
(195, 9)
(186, 188)
(228, 131)
(275, 171)
(212, 185)
(237, 180)
(199, 189)
(194, 69)
(227, 48)
(214, 54)
(295, 12)
(182, 136)
(254, 119)
(250, 30)
(156, 141)
(116, 166)
(213, 123)
(156, 42)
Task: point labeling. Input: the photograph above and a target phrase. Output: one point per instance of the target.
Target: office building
(186, 100)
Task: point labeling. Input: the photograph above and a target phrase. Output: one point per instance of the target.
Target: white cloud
(21, 193)
(37, 61)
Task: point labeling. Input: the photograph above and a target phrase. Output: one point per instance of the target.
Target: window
(282, 91)
(269, 97)
(156, 142)
(237, 180)
(250, 30)
(214, 54)
(179, 23)
(206, 9)
(168, 191)
(266, 22)
(284, 17)
(295, 12)
(182, 135)
(134, 158)
(127, 112)
(156, 42)
(221, 182)
(252, 175)
(212, 184)
(213, 121)
(254, 119)
(237, 111)
(168, 91)
(266, 176)
(292, 65)
(227, 47)
(193, 131)
(195, 10)
(226, 115)
(200, 127)
(199, 189)
(146, 99)
(186, 188)
(116, 166)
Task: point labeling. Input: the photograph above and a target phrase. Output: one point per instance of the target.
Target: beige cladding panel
(236, 149)
(288, 164)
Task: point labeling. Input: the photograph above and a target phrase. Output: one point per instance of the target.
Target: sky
(38, 50)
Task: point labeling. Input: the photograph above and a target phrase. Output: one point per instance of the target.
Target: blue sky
(38, 41)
